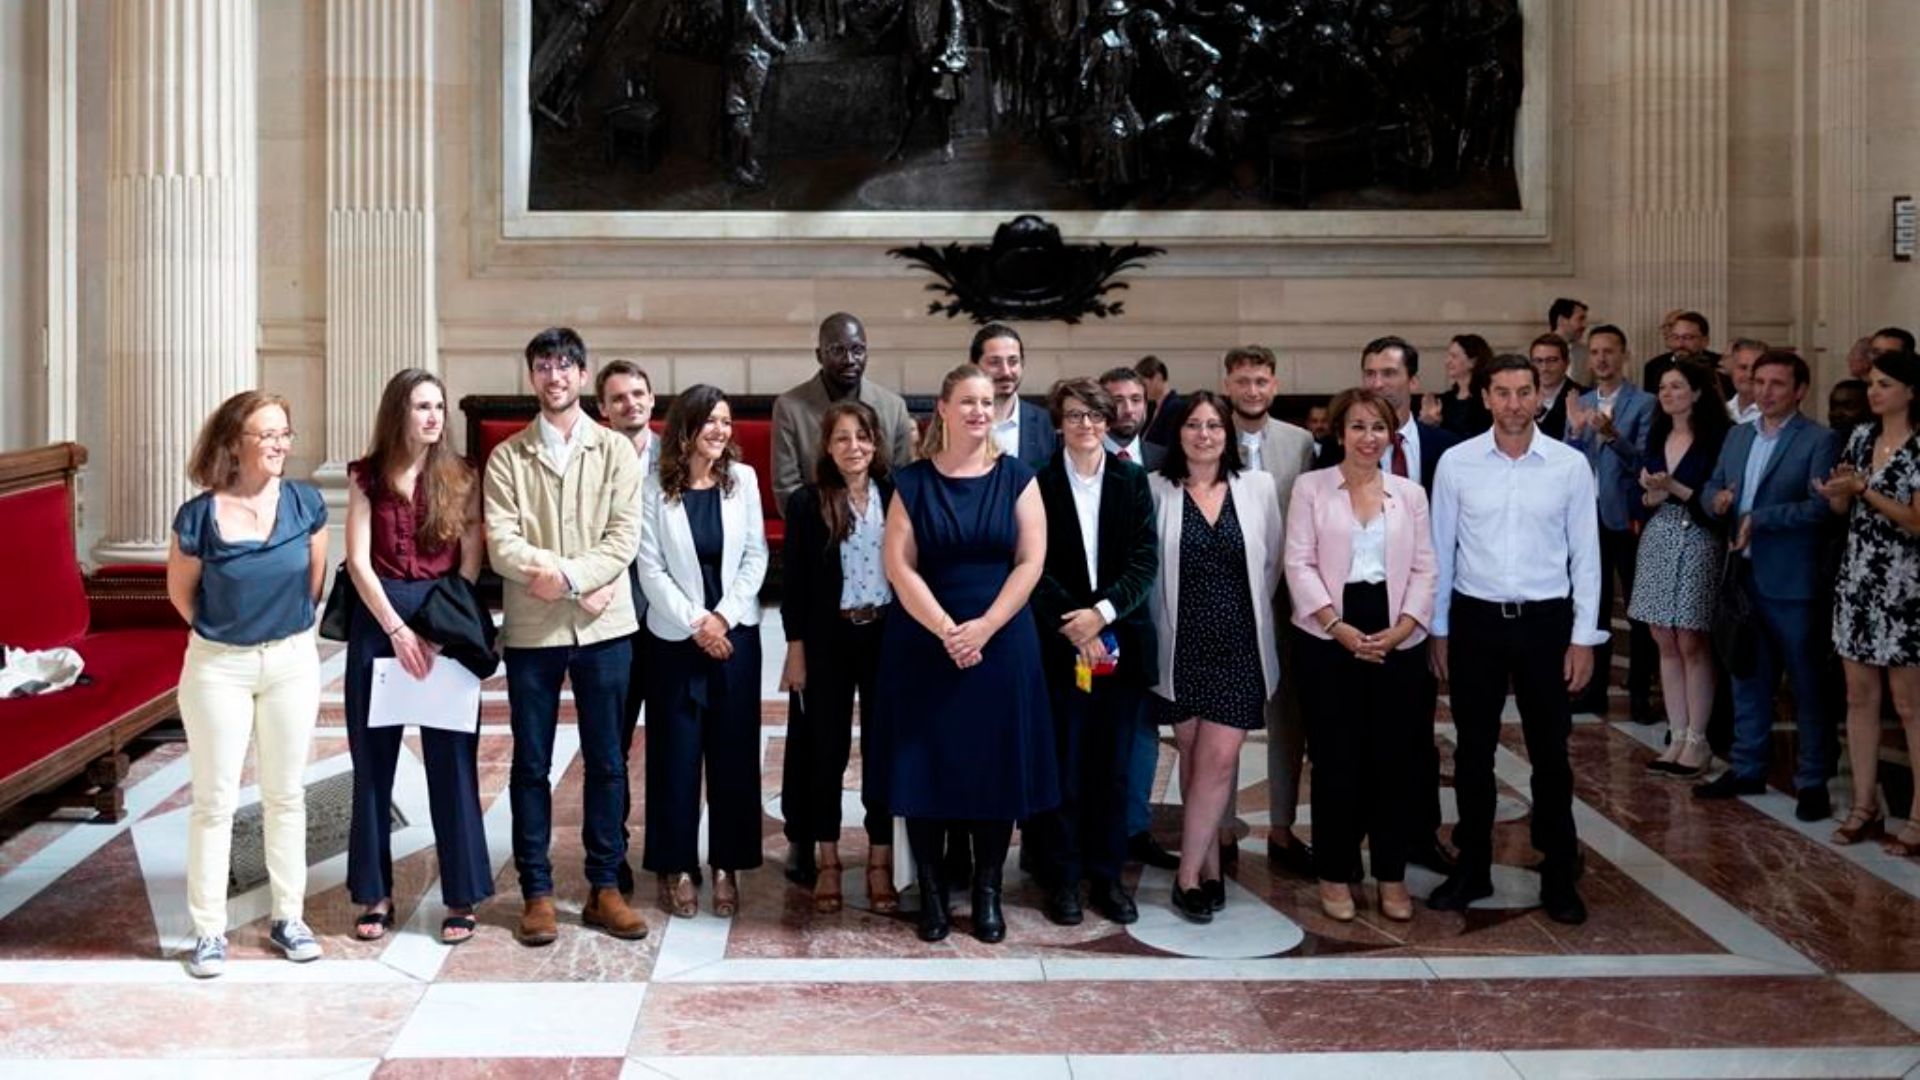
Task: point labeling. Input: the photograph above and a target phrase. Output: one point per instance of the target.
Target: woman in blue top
(244, 570)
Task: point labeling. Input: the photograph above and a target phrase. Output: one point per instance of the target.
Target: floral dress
(1876, 608)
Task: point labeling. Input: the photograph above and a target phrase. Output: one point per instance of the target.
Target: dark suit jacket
(1129, 562)
(1038, 439)
(1434, 441)
(1789, 518)
(1160, 425)
(1151, 455)
(453, 618)
(810, 566)
(1554, 423)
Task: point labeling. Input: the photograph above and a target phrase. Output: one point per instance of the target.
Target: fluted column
(1671, 142)
(182, 201)
(1840, 248)
(380, 251)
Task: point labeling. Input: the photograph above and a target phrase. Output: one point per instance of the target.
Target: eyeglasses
(553, 367)
(284, 438)
(1078, 417)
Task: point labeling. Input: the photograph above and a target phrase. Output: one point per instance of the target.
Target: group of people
(1021, 598)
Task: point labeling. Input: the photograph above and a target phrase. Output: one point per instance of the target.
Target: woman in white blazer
(703, 557)
(1220, 546)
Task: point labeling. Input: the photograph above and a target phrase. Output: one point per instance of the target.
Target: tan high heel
(678, 897)
(826, 887)
(1339, 905)
(1395, 903)
(726, 893)
(881, 895)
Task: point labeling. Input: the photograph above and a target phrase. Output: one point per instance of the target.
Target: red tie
(1399, 454)
(1125, 456)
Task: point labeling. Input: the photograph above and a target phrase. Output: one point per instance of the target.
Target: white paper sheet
(448, 698)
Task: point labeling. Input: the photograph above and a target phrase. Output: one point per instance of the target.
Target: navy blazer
(1038, 439)
(1128, 559)
(1617, 461)
(1788, 515)
(1434, 441)
(1160, 425)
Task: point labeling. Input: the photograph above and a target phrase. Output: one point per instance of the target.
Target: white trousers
(231, 695)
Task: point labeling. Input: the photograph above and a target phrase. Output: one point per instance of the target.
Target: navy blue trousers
(598, 673)
(703, 716)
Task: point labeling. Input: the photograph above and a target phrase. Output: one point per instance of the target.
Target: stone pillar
(1839, 245)
(1670, 140)
(380, 207)
(182, 289)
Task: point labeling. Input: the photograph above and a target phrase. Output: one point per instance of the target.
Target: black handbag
(336, 622)
(1735, 631)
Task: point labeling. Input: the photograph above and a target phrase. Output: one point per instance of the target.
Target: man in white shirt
(1516, 536)
(1020, 428)
(625, 391)
(1125, 436)
(1283, 451)
(1737, 366)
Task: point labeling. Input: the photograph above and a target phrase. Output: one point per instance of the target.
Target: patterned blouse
(863, 580)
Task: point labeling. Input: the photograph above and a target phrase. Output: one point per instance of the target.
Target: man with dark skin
(842, 354)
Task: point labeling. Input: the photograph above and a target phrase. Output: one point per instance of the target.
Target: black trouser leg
(451, 759)
(730, 746)
(1331, 681)
(796, 787)
(1478, 673)
(673, 760)
(1538, 647)
(1424, 793)
(1400, 738)
(875, 784)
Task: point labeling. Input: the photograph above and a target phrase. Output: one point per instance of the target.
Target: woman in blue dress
(960, 676)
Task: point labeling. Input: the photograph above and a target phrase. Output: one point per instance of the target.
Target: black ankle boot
(935, 922)
(988, 924)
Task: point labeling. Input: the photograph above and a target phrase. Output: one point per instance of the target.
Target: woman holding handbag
(413, 518)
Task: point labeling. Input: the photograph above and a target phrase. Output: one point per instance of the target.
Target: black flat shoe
(800, 868)
(1112, 902)
(1813, 804)
(1458, 892)
(1191, 904)
(1145, 850)
(1561, 901)
(1216, 893)
(1434, 857)
(1291, 855)
(1062, 905)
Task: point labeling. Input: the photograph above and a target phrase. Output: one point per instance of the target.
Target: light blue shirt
(863, 581)
(1763, 443)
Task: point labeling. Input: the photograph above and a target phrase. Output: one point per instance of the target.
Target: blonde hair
(215, 463)
(936, 438)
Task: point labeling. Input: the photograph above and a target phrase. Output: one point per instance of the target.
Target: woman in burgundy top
(413, 517)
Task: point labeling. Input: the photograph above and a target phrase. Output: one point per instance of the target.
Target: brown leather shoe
(678, 896)
(539, 923)
(607, 910)
(726, 893)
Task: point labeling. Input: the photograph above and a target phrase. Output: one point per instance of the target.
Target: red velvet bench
(118, 620)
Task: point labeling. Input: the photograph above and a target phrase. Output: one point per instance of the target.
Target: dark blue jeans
(599, 676)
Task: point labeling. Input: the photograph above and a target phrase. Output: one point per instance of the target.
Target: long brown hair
(936, 437)
(691, 408)
(447, 478)
(827, 479)
(215, 463)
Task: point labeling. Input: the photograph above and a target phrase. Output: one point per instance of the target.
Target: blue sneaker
(209, 958)
(293, 938)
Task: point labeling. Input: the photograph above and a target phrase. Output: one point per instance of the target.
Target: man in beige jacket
(563, 523)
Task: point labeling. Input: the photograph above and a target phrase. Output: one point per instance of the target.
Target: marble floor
(1725, 940)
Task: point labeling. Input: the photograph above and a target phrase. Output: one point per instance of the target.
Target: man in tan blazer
(1283, 451)
(563, 524)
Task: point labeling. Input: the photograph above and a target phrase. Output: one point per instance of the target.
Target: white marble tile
(234, 1069)
(1756, 1064)
(855, 970)
(687, 945)
(1434, 1065)
(1000, 1067)
(170, 970)
(1284, 969)
(1601, 967)
(1248, 927)
(468, 1020)
(1901, 873)
(1897, 994)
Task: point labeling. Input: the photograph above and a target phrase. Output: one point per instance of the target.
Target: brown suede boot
(539, 924)
(607, 910)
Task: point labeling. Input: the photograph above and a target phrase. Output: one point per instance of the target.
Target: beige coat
(585, 522)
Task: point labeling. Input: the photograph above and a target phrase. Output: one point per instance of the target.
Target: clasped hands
(1657, 486)
(1845, 482)
(966, 642)
(1372, 648)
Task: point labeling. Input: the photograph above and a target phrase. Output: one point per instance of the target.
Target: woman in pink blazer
(1360, 567)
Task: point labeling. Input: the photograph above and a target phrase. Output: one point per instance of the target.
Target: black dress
(1216, 644)
(972, 744)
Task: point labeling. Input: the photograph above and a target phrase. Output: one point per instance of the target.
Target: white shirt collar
(559, 446)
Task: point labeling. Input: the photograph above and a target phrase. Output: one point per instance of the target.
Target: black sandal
(458, 922)
(373, 925)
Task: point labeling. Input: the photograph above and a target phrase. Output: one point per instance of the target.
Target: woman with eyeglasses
(244, 569)
(703, 557)
(413, 519)
(1220, 547)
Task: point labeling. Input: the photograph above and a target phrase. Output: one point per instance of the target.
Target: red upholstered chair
(120, 624)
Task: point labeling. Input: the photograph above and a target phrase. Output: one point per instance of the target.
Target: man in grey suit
(842, 353)
(1283, 451)
(1764, 483)
(1609, 424)
(1020, 428)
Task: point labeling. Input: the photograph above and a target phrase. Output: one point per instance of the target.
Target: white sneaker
(294, 939)
(209, 958)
